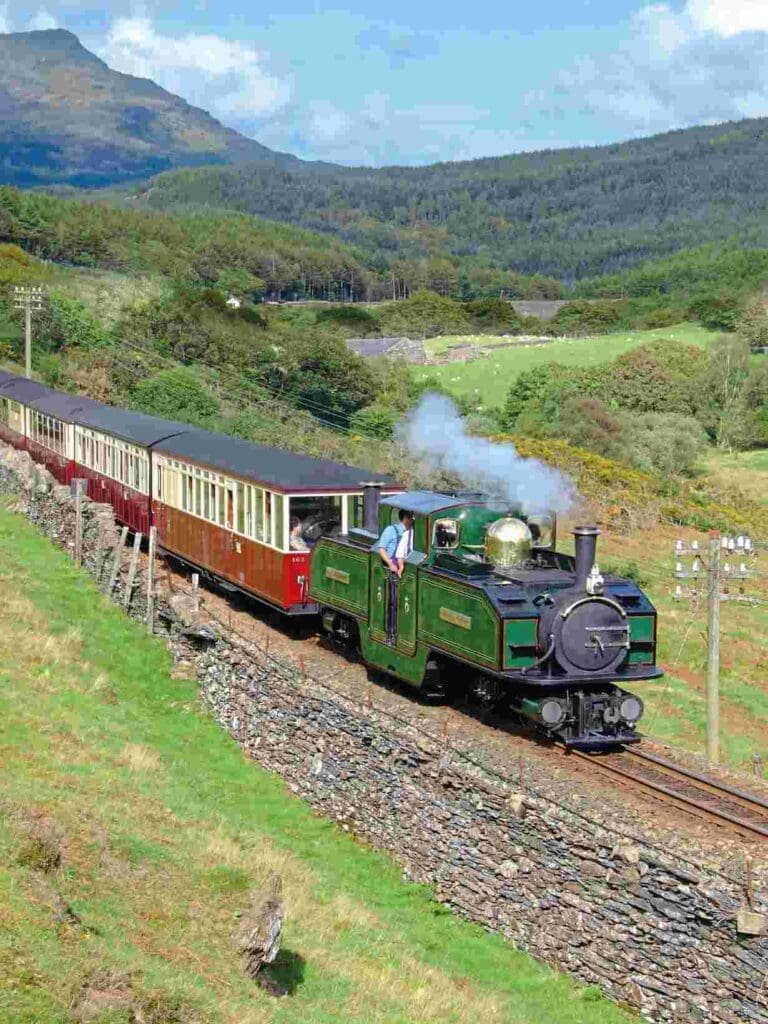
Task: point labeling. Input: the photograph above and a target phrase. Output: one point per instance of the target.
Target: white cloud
(702, 64)
(5, 24)
(728, 17)
(42, 21)
(228, 78)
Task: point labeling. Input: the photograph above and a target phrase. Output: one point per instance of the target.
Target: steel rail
(739, 796)
(697, 807)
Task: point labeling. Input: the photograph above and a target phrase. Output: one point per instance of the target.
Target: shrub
(587, 423)
(176, 394)
(667, 443)
(351, 318)
(582, 316)
(752, 325)
(425, 314)
(494, 315)
(377, 420)
(718, 312)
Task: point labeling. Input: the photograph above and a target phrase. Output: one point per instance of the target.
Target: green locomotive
(487, 605)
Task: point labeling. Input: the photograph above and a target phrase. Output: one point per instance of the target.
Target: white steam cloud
(434, 432)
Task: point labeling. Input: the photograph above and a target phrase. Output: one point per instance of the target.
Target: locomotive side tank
(486, 605)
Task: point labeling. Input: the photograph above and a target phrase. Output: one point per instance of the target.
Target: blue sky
(421, 81)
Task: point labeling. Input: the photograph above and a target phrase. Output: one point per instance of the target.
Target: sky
(420, 81)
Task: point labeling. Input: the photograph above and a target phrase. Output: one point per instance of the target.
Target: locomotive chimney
(586, 545)
(371, 496)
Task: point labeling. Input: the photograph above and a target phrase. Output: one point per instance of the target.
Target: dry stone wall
(655, 933)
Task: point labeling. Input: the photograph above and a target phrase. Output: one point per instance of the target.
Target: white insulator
(726, 568)
(679, 567)
(747, 543)
(679, 547)
(678, 595)
(696, 567)
(743, 568)
(724, 543)
(740, 542)
(694, 545)
(731, 544)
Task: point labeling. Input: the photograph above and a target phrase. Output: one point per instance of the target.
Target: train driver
(396, 542)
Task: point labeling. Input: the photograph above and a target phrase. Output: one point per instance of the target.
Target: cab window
(542, 530)
(445, 536)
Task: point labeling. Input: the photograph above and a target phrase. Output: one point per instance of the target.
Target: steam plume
(434, 433)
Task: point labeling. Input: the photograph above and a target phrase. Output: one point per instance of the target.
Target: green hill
(66, 117)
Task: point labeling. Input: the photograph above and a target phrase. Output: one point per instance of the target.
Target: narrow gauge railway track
(698, 795)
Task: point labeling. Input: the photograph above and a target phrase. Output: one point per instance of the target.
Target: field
(162, 829)
(745, 472)
(490, 376)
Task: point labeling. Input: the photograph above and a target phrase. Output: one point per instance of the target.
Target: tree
(726, 372)
(425, 314)
(752, 325)
(718, 312)
(176, 394)
(494, 315)
(375, 420)
(666, 443)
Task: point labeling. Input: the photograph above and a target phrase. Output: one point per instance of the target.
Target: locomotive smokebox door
(591, 635)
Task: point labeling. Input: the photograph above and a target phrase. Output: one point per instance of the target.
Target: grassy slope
(166, 827)
(491, 376)
(743, 471)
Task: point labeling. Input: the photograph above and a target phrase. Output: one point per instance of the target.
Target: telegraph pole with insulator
(29, 299)
(728, 560)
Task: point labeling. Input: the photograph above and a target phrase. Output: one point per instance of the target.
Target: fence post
(116, 561)
(196, 600)
(132, 571)
(77, 489)
(151, 580)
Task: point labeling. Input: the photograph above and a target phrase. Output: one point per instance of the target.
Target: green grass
(164, 827)
(491, 376)
(740, 472)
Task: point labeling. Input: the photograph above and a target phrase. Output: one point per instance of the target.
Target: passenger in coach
(296, 542)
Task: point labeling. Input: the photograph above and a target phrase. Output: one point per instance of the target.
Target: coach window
(317, 514)
(266, 530)
(278, 524)
(240, 508)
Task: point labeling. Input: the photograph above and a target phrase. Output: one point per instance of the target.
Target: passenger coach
(243, 514)
(250, 515)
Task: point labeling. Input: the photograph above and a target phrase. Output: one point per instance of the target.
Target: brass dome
(508, 542)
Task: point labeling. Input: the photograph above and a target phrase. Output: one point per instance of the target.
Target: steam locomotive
(485, 605)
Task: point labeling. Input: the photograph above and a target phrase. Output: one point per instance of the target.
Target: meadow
(490, 376)
(132, 831)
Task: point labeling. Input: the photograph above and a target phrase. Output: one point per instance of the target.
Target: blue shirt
(390, 535)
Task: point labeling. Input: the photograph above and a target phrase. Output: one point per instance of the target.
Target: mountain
(67, 118)
(568, 213)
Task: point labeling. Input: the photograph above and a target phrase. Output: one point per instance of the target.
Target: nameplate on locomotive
(456, 618)
(336, 574)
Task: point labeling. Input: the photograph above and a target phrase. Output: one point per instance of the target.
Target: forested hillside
(567, 214)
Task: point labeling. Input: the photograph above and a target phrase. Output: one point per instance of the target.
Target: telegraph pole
(28, 298)
(718, 578)
(713, 641)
